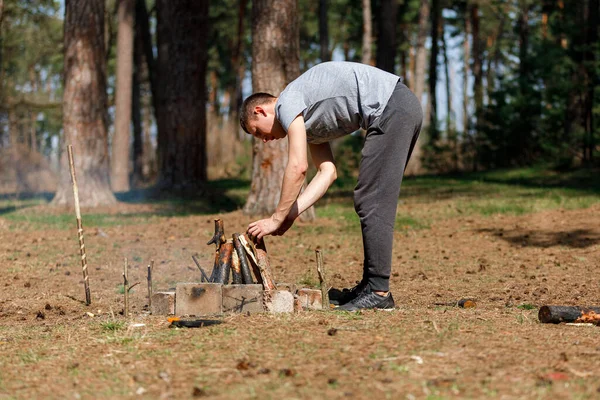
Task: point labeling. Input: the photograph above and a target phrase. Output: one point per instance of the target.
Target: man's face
(264, 126)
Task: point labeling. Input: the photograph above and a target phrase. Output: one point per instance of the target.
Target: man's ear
(259, 110)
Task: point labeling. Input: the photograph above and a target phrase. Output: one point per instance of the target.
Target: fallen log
(558, 314)
(243, 258)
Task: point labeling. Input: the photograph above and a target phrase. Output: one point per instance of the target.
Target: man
(330, 100)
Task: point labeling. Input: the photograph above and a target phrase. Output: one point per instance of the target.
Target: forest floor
(512, 240)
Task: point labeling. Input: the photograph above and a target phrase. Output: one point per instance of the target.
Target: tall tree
(433, 66)
(123, 99)
(182, 30)
(324, 31)
(421, 52)
(367, 32)
(386, 35)
(275, 63)
(84, 105)
(591, 68)
(477, 62)
(466, 69)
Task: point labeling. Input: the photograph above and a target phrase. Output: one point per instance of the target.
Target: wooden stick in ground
(322, 280)
(558, 314)
(264, 266)
(86, 280)
(244, 263)
(218, 239)
(204, 276)
(219, 236)
(150, 268)
(126, 290)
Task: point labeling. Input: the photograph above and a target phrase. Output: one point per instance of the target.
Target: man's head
(257, 117)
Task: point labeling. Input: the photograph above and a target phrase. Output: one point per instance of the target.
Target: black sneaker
(369, 300)
(341, 297)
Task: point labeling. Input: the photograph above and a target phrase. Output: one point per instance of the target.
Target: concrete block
(290, 287)
(199, 299)
(163, 303)
(282, 301)
(243, 298)
(311, 299)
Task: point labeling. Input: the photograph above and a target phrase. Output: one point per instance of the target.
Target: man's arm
(326, 174)
(295, 171)
(293, 178)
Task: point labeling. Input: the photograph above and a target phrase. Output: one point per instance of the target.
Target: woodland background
(147, 92)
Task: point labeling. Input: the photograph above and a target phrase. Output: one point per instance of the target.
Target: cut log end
(558, 314)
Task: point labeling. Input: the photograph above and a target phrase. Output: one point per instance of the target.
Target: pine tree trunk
(136, 108)
(323, 31)
(182, 31)
(275, 63)
(449, 112)
(466, 69)
(433, 65)
(121, 138)
(477, 64)
(84, 105)
(367, 35)
(421, 52)
(591, 81)
(386, 40)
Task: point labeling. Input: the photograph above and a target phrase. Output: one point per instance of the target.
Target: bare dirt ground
(50, 347)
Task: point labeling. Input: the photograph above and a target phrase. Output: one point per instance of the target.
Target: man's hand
(258, 229)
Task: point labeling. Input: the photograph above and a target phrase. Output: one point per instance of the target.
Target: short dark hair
(246, 112)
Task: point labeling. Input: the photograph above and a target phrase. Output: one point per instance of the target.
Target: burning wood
(558, 314)
(224, 263)
(241, 253)
(236, 272)
(264, 266)
(251, 252)
(219, 237)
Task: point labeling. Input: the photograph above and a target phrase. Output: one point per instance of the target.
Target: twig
(126, 290)
(322, 280)
(150, 268)
(86, 280)
(204, 276)
(132, 286)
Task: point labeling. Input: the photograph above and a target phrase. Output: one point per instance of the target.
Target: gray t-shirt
(335, 98)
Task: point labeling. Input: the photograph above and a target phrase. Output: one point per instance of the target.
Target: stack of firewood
(237, 260)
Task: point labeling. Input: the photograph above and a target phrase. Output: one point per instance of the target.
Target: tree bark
(591, 81)
(421, 53)
(433, 66)
(386, 40)
(324, 31)
(466, 69)
(477, 64)
(123, 92)
(275, 63)
(367, 35)
(182, 31)
(136, 108)
(84, 105)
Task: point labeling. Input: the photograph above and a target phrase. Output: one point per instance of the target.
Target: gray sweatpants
(388, 145)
